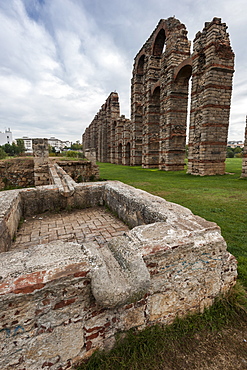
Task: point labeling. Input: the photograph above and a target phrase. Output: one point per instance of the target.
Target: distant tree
(76, 146)
(238, 152)
(234, 152)
(14, 149)
(20, 146)
(8, 148)
(230, 152)
(52, 150)
(3, 154)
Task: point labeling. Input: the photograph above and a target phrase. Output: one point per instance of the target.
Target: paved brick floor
(95, 224)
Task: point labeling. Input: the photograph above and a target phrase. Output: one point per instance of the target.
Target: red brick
(64, 303)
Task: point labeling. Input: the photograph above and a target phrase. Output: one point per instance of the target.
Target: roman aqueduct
(156, 134)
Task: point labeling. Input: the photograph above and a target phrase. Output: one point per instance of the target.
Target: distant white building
(28, 144)
(56, 143)
(235, 144)
(6, 137)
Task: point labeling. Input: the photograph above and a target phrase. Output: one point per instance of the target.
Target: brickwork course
(155, 137)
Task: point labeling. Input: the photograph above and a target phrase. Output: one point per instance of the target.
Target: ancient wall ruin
(244, 163)
(41, 161)
(156, 134)
(16, 172)
(19, 172)
(61, 301)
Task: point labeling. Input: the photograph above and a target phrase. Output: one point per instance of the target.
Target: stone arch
(183, 70)
(157, 84)
(159, 43)
(140, 65)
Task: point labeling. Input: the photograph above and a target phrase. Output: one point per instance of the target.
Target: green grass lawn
(214, 338)
(222, 199)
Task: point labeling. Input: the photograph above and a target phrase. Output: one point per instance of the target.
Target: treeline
(13, 149)
(234, 152)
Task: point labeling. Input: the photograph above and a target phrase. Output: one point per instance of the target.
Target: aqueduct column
(212, 71)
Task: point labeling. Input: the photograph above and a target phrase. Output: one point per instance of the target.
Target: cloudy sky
(60, 59)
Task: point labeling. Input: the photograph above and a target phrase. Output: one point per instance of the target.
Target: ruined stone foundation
(60, 301)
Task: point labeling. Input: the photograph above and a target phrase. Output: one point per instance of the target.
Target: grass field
(222, 199)
(215, 339)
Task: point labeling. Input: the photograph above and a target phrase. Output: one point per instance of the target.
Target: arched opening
(183, 88)
(120, 150)
(127, 154)
(184, 73)
(159, 43)
(140, 65)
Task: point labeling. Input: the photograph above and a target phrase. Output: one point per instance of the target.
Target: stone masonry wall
(61, 301)
(17, 172)
(156, 134)
(41, 161)
(80, 171)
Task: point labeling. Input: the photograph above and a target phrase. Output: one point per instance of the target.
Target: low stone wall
(61, 301)
(17, 172)
(10, 216)
(80, 171)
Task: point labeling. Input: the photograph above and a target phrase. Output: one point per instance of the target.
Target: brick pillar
(176, 71)
(112, 115)
(41, 159)
(137, 97)
(212, 71)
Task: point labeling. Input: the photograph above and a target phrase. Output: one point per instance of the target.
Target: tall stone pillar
(41, 159)
(212, 72)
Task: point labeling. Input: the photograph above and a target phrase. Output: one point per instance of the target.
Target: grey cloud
(60, 59)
